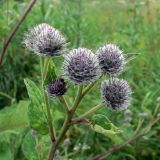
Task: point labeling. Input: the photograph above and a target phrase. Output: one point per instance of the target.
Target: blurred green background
(134, 25)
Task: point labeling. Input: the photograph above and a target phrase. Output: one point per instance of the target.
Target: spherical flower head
(111, 59)
(116, 93)
(45, 40)
(56, 87)
(81, 66)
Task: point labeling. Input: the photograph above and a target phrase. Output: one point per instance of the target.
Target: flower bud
(111, 59)
(56, 88)
(116, 93)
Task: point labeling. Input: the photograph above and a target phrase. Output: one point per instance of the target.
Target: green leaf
(103, 125)
(51, 75)
(43, 146)
(29, 147)
(37, 108)
(14, 116)
(36, 147)
(10, 142)
(131, 56)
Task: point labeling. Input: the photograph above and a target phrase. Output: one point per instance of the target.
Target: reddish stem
(10, 36)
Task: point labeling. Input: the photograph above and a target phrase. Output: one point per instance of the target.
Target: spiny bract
(111, 59)
(81, 66)
(45, 40)
(116, 93)
(56, 87)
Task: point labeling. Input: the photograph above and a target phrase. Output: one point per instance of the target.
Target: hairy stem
(51, 130)
(89, 112)
(77, 99)
(64, 103)
(67, 123)
(87, 89)
(45, 66)
(64, 129)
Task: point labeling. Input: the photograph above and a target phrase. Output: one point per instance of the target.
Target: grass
(133, 25)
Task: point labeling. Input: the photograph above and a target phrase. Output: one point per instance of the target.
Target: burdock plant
(111, 59)
(45, 40)
(81, 68)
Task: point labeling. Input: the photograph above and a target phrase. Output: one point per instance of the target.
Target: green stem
(41, 65)
(77, 99)
(51, 130)
(156, 109)
(87, 89)
(6, 95)
(49, 117)
(66, 124)
(139, 125)
(46, 63)
(99, 106)
(64, 129)
(64, 103)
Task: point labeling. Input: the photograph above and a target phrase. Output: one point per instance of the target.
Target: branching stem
(66, 124)
(89, 112)
(87, 89)
(64, 103)
(77, 99)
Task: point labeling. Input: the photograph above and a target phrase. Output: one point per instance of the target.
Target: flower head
(56, 87)
(81, 66)
(111, 59)
(116, 93)
(45, 40)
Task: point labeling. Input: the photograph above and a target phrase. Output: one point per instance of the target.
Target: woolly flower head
(111, 59)
(81, 66)
(45, 40)
(116, 93)
(56, 87)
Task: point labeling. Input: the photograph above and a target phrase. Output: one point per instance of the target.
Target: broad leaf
(43, 146)
(14, 116)
(10, 142)
(37, 108)
(103, 125)
(36, 147)
(29, 147)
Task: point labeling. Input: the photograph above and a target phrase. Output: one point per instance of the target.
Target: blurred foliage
(9, 119)
(132, 24)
